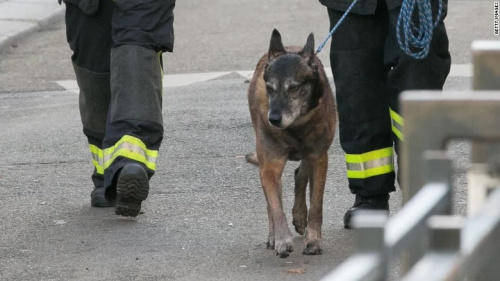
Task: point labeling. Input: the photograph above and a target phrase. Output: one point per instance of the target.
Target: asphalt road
(205, 217)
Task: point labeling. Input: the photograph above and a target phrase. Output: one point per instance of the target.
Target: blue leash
(417, 37)
(320, 47)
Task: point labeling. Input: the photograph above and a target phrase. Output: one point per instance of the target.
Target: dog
(293, 114)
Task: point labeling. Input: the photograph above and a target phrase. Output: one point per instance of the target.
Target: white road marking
(177, 80)
(69, 85)
(248, 74)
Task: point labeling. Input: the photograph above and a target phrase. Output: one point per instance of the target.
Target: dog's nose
(275, 119)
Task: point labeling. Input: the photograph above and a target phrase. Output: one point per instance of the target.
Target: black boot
(132, 187)
(97, 198)
(366, 203)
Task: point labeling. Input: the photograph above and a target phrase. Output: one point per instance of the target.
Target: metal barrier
(432, 244)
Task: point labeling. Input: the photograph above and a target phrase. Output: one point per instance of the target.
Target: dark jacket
(363, 7)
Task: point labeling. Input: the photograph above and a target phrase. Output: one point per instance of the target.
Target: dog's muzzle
(275, 119)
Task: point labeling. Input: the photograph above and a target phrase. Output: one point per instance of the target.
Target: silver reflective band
(129, 148)
(370, 164)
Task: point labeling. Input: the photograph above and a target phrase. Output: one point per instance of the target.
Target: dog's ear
(276, 46)
(308, 50)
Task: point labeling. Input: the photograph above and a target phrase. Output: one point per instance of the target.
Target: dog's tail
(252, 158)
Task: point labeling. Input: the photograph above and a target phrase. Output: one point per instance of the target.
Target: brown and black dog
(293, 114)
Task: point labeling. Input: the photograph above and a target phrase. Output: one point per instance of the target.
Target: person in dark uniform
(370, 71)
(117, 58)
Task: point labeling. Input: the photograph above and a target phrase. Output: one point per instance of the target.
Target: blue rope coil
(417, 38)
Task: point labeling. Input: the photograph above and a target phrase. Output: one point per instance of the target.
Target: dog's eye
(269, 89)
(293, 87)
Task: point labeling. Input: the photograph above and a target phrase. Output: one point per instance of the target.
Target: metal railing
(432, 244)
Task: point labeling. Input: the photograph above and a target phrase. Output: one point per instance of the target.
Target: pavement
(205, 218)
(19, 18)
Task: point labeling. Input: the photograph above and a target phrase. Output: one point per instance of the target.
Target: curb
(22, 25)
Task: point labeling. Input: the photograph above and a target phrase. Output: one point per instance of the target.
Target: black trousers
(370, 71)
(91, 37)
(117, 51)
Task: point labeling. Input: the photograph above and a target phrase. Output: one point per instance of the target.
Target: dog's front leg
(270, 236)
(270, 175)
(318, 167)
(299, 210)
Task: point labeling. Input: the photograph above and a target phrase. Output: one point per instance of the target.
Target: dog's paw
(283, 248)
(252, 158)
(270, 240)
(270, 245)
(312, 248)
(299, 220)
(300, 226)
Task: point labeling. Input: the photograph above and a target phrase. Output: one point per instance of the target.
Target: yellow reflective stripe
(397, 124)
(132, 148)
(136, 153)
(396, 117)
(369, 164)
(368, 156)
(97, 159)
(99, 168)
(398, 133)
(124, 152)
(134, 141)
(370, 172)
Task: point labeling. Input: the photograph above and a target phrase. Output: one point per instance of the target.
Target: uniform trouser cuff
(134, 129)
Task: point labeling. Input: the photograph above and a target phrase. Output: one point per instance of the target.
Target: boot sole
(131, 190)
